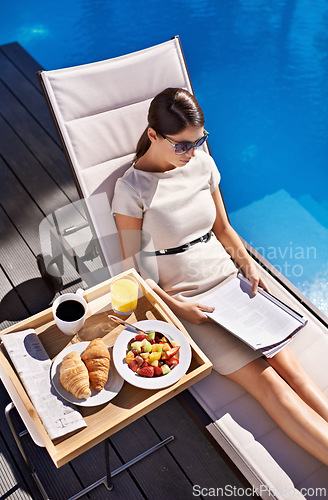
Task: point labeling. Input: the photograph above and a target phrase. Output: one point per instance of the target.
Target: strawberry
(140, 336)
(146, 371)
(157, 371)
(133, 365)
(172, 351)
(171, 362)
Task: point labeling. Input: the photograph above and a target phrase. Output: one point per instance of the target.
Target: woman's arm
(129, 229)
(233, 244)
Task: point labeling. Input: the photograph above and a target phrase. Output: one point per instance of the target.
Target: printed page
(255, 319)
(33, 367)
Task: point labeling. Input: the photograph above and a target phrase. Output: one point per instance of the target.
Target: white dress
(177, 207)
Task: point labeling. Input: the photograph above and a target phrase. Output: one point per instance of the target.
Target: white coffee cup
(69, 325)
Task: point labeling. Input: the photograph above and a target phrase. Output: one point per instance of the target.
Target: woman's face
(167, 150)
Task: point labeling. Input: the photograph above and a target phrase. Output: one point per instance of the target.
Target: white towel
(33, 365)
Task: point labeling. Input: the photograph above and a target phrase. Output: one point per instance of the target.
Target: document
(261, 321)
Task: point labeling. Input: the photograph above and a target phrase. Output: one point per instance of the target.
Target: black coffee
(70, 310)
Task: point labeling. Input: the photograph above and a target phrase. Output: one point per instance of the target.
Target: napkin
(33, 365)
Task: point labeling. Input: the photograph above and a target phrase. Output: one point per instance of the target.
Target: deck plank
(10, 450)
(12, 308)
(59, 483)
(19, 245)
(20, 267)
(11, 485)
(12, 190)
(27, 90)
(91, 466)
(159, 472)
(37, 140)
(205, 469)
(23, 61)
(41, 187)
(22, 290)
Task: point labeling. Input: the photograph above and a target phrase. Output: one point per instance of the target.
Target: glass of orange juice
(124, 295)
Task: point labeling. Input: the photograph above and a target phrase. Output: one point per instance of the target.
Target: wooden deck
(34, 182)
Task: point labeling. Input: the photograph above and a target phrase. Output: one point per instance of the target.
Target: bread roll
(74, 376)
(97, 360)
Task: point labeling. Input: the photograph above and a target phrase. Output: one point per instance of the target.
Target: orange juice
(124, 295)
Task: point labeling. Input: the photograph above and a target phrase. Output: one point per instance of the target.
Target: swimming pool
(259, 70)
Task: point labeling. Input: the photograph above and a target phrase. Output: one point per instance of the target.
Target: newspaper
(261, 321)
(33, 367)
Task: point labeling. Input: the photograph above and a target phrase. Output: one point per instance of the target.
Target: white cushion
(247, 454)
(101, 108)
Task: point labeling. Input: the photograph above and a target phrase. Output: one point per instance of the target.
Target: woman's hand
(254, 277)
(192, 311)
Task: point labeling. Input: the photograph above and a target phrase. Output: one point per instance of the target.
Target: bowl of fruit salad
(153, 360)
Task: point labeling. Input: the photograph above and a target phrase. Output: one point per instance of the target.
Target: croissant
(74, 376)
(97, 360)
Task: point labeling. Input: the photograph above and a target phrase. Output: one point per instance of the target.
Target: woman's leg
(285, 407)
(285, 363)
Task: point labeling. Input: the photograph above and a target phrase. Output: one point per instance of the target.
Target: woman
(171, 192)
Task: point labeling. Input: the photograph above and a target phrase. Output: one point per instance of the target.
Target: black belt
(182, 248)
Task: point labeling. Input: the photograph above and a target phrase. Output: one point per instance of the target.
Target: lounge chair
(100, 111)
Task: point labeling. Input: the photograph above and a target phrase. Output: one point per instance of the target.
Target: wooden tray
(131, 402)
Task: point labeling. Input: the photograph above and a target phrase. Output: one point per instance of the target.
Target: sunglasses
(183, 147)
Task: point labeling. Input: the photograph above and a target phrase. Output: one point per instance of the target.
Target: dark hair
(171, 111)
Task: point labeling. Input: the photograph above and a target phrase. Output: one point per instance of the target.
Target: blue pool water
(260, 72)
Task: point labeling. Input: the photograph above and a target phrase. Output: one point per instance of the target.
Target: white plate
(111, 389)
(172, 333)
